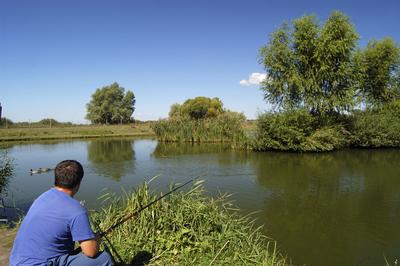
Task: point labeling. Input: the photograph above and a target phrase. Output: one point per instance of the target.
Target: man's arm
(90, 247)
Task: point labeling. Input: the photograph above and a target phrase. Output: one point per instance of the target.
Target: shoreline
(23, 134)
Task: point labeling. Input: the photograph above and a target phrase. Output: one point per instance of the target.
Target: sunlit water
(340, 208)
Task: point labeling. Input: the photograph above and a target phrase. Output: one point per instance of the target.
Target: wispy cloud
(254, 79)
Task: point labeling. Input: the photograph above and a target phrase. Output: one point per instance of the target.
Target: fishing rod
(134, 214)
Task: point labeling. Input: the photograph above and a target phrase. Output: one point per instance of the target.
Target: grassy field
(74, 132)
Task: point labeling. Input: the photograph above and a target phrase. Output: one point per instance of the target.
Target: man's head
(68, 174)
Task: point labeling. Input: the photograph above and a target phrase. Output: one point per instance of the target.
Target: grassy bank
(74, 132)
(185, 229)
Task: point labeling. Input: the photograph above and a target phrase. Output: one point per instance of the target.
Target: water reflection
(112, 158)
(164, 150)
(343, 206)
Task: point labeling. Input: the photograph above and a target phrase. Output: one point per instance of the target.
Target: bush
(377, 127)
(5, 121)
(184, 229)
(6, 170)
(296, 131)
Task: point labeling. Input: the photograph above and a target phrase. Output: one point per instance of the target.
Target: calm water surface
(340, 208)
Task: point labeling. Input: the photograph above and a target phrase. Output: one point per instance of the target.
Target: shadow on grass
(140, 259)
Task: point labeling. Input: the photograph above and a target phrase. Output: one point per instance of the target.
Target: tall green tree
(111, 105)
(380, 72)
(310, 65)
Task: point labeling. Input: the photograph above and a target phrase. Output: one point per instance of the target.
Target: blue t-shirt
(54, 221)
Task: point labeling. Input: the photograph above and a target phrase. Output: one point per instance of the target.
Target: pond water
(339, 208)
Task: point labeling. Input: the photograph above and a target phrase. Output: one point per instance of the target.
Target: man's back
(54, 221)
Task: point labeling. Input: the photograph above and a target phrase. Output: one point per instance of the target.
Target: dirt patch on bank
(6, 241)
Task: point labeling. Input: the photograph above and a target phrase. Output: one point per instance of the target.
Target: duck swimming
(34, 171)
(39, 170)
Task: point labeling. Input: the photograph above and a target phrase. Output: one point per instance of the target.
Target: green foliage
(226, 127)
(6, 170)
(310, 66)
(49, 122)
(111, 105)
(378, 127)
(380, 72)
(184, 229)
(6, 122)
(296, 131)
(197, 108)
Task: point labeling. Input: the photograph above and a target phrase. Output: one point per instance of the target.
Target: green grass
(184, 229)
(225, 128)
(74, 132)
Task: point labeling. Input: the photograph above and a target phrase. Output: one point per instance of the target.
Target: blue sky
(54, 54)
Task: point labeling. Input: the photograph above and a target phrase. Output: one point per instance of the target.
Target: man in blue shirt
(54, 222)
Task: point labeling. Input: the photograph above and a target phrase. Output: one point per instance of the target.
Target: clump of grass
(225, 128)
(184, 229)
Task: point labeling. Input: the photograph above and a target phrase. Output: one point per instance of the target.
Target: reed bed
(225, 128)
(186, 228)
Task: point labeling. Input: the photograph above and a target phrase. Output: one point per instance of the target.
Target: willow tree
(111, 105)
(379, 65)
(198, 108)
(310, 65)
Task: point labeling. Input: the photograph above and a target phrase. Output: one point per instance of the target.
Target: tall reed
(184, 229)
(226, 127)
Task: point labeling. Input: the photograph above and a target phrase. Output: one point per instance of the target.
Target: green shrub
(184, 229)
(296, 131)
(6, 170)
(377, 127)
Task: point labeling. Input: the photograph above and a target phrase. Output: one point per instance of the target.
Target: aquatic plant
(226, 127)
(186, 228)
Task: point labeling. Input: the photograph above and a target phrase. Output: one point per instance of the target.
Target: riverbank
(187, 228)
(7, 238)
(74, 132)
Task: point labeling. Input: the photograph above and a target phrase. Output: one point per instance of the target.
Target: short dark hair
(68, 174)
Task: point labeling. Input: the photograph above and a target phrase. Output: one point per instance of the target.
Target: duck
(39, 170)
(34, 171)
(43, 170)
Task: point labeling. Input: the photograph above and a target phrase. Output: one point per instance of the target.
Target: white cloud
(254, 79)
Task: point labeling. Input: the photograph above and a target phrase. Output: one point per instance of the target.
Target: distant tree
(49, 122)
(198, 108)
(311, 66)
(6, 122)
(380, 72)
(111, 105)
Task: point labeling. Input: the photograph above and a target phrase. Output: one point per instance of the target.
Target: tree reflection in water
(343, 206)
(112, 157)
